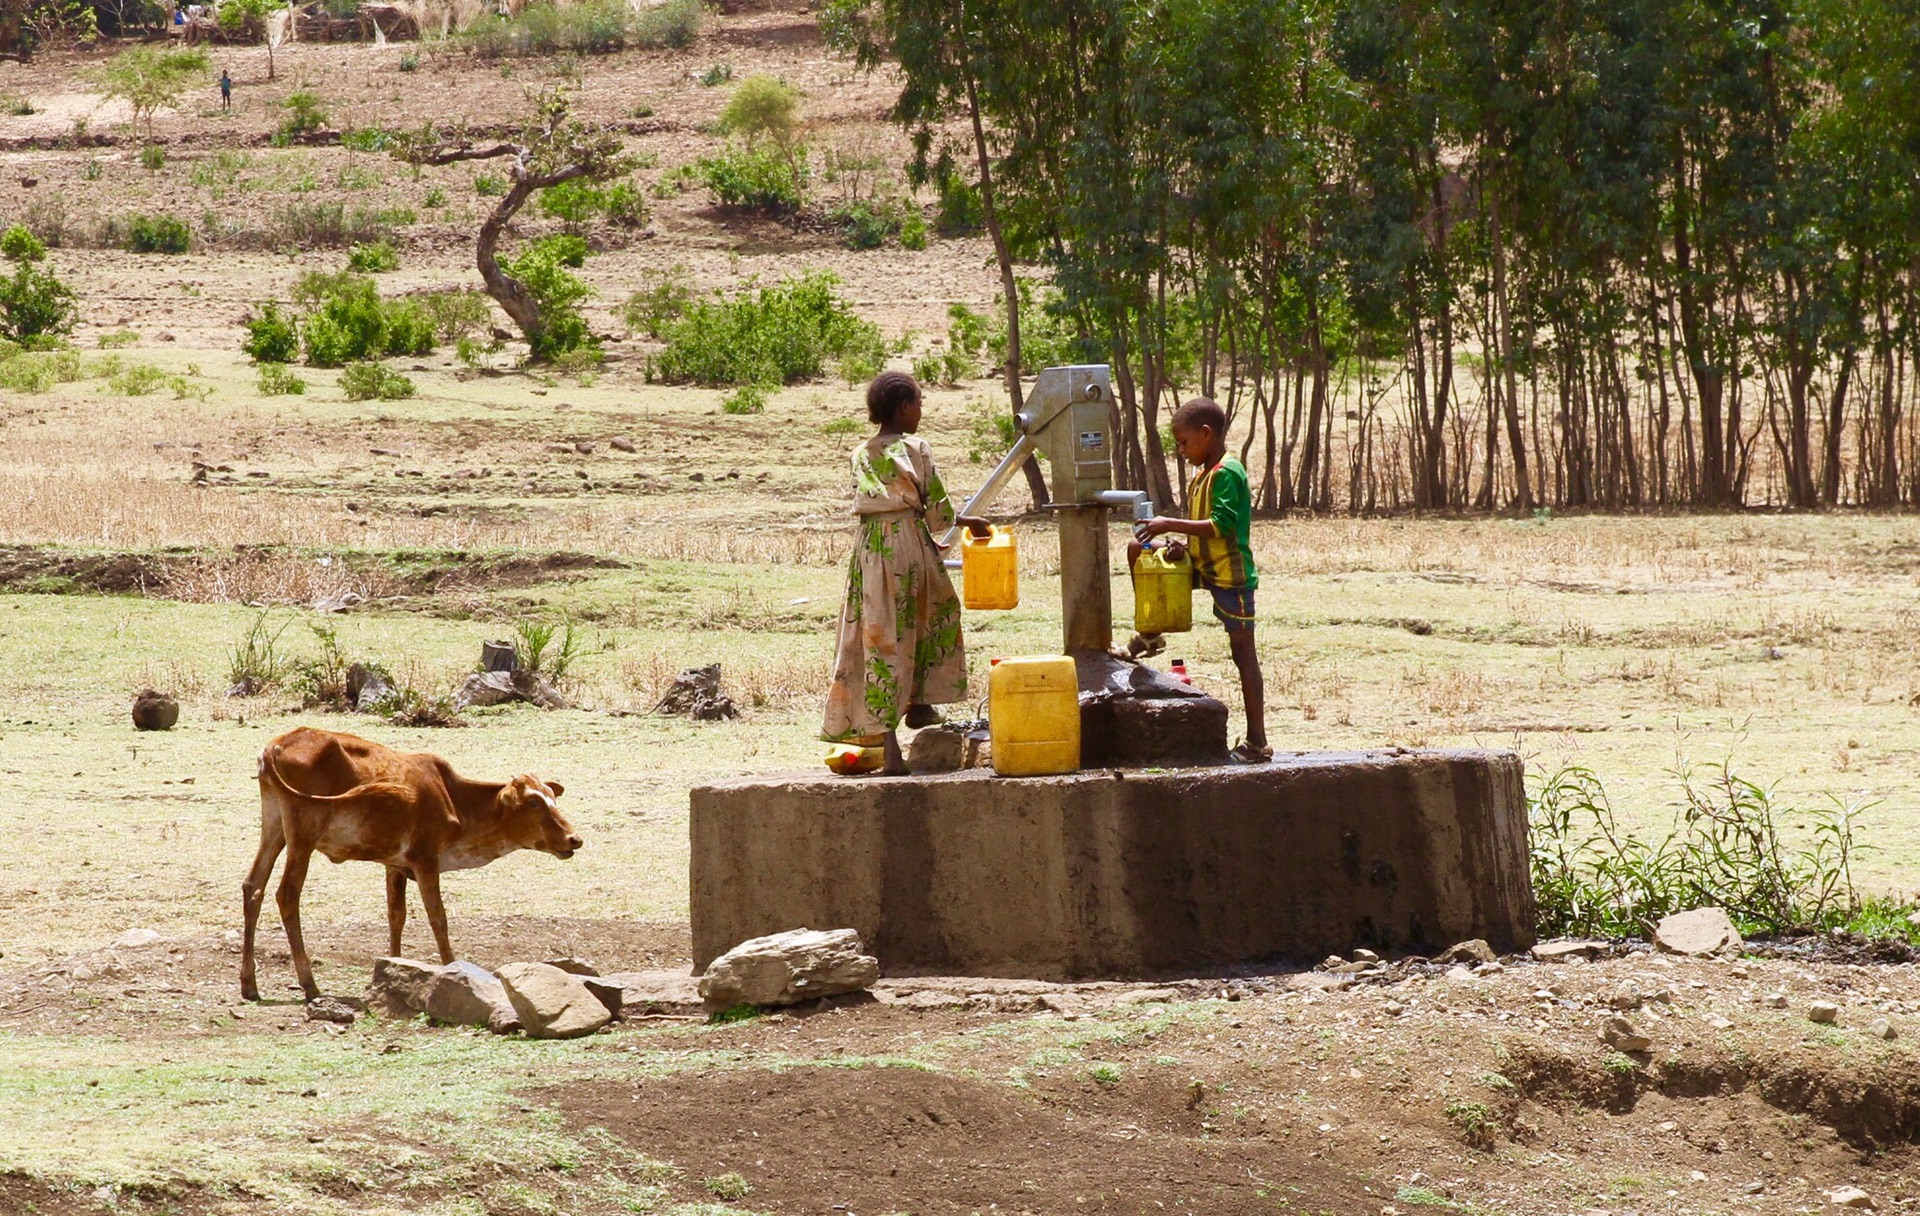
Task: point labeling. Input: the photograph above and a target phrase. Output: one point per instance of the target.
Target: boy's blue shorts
(1233, 607)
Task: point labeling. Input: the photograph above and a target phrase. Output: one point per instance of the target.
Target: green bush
(347, 321)
(578, 202)
(747, 399)
(769, 179)
(773, 335)
(153, 157)
(488, 186)
(35, 306)
(960, 212)
(327, 225)
(366, 139)
(458, 314)
(436, 197)
(138, 380)
(279, 380)
(271, 337)
(375, 258)
(763, 107)
(371, 382)
(665, 300)
(542, 269)
(304, 115)
(410, 62)
(157, 234)
(38, 371)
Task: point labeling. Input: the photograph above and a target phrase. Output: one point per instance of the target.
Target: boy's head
(893, 401)
(1200, 431)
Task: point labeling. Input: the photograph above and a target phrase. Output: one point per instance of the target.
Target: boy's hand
(1158, 525)
(976, 525)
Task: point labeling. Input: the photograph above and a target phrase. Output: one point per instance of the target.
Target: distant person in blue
(226, 90)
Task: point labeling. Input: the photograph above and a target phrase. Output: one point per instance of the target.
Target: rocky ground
(1467, 1082)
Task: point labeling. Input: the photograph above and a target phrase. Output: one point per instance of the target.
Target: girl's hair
(888, 392)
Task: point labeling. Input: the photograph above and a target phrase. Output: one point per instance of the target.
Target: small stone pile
(561, 998)
(696, 694)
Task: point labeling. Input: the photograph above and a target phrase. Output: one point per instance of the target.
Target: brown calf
(352, 800)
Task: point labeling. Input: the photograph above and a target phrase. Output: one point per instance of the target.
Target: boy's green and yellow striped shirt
(1224, 495)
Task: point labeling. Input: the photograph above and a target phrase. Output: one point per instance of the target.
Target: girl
(900, 650)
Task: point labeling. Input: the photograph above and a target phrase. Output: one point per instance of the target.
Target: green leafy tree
(150, 79)
(36, 308)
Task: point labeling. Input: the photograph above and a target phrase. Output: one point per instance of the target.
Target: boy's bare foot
(919, 717)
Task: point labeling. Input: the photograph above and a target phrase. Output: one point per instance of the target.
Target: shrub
(457, 314)
(594, 27)
(326, 224)
(489, 186)
(727, 1186)
(718, 74)
(674, 24)
(747, 399)
(436, 197)
(577, 202)
(304, 115)
(38, 371)
(547, 645)
(370, 381)
(410, 62)
(763, 107)
(272, 335)
(138, 380)
(768, 179)
(157, 234)
(931, 368)
(773, 335)
(149, 78)
(117, 339)
(35, 306)
(666, 300)
(960, 212)
(348, 321)
(153, 157)
(365, 139)
(374, 258)
(279, 380)
(542, 269)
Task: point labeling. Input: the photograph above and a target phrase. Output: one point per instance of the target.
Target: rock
(1566, 951)
(467, 995)
(1823, 1012)
(1319, 981)
(1332, 962)
(498, 656)
(1880, 1028)
(1472, 951)
(1394, 1009)
(1774, 1000)
(367, 686)
(1620, 1035)
(1459, 974)
(645, 993)
(1719, 1023)
(1493, 968)
(138, 939)
(583, 447)
(696, 694)
(620, 443)
(550, 1003)
(1849, 1197)
(1626, 998)
(1700, 932)
(787, 968)
(935, 750)
(400, 986)
(573, 965)
(154, 710)
(1365, 956)
(340, 1010)
(486, 688)
(613, 996)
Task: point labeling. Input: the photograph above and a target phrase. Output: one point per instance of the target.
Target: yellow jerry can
(1033, 716)
(1162, 593)
(850, 759)
(989, 570)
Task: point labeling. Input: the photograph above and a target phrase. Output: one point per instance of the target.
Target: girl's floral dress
(900, 626)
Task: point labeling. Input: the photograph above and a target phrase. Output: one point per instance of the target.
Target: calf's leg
(292, 879)
(396, 907)
(429, 880)
(273, 838)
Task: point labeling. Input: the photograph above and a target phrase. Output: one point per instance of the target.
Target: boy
(1221, 500)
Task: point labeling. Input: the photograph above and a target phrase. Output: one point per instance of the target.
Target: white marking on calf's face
(534, 819)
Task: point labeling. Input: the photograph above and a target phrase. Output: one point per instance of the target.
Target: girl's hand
(974, 524)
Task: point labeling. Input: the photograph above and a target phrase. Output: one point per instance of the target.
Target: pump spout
(1137, 499)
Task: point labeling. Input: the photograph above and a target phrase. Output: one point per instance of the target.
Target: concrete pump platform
(1113, 872)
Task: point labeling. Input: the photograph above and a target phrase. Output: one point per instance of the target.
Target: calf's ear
(557, 788)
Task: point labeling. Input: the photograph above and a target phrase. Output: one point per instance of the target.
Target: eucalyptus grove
(1502, 253)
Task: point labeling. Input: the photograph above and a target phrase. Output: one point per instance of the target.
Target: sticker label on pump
(1092, 441)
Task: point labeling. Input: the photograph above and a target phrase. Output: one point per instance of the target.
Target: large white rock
(1701, 931)
(649, 993)
(400, 986)
(465, 994)
(551, 1003)
(787, 968)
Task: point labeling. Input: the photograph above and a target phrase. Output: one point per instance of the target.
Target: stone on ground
(787, 968)
(154, 710)
(1567, 951)
(1474, 950)
(613, 996)
(573, 965)
(400, 986)
(1880, 1028)
(1824, 1012)
(1699, 932)
(1849, 1197)
(337, 1009)
(464, 994)
(1775, 1000)
(138, 939)
(645, 993)
(550, 1003)
(936, 750)
(1620, 1035)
